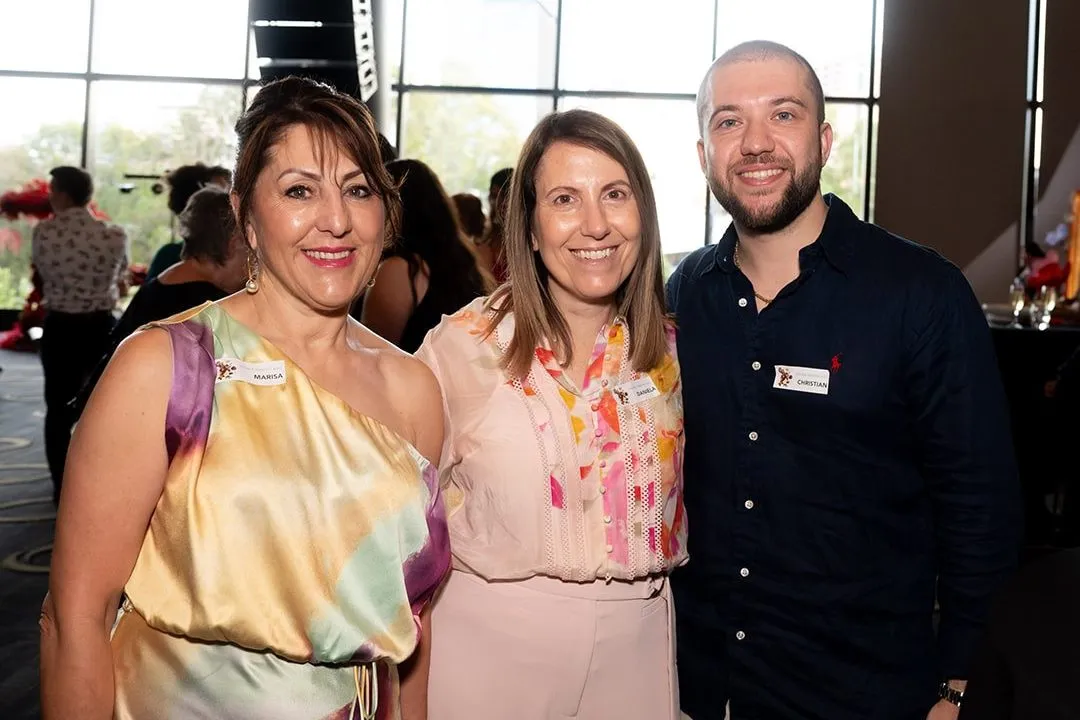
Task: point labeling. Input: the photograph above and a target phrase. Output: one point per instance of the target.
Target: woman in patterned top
(562, 464)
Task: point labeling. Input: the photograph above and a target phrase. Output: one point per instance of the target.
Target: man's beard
(798, 195)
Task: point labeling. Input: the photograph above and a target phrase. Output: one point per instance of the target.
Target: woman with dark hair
(268, 522)
(471, 213)
(562, 464)
(430, 271)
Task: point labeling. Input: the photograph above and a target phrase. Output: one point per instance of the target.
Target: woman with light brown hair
(252, 482)
(562, 464)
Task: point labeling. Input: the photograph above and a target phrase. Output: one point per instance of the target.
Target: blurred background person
(470, 213)
(82, 262)
(491, 249)
(430, 271)
(184, 182)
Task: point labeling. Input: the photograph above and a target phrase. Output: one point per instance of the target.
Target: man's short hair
(74, 182)
(220, 171)
(754, 51)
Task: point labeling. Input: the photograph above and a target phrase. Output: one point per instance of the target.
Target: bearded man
(848, 454)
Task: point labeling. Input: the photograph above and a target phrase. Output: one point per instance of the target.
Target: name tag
(267, 373)
(636, 391)
(802, 379)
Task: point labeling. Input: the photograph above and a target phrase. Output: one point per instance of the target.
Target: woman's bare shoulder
(400, 370)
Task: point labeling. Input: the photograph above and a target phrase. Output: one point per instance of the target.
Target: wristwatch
(950, 694)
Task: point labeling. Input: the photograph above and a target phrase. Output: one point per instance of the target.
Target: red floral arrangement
(1046, 271)
(32, 202)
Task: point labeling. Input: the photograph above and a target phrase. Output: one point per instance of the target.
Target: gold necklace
(758, 295)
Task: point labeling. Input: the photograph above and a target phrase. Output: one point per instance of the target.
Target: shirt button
(595, 406)
(756, 365)
(603, 489)
(600, 433)
(749, 504)
(740, 635)
(742, 302)
(610, 549)
(753, 435)
(607, 519)
(603, 463)
(744, 572)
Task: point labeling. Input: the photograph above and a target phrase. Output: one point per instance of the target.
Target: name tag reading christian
(802, 379)
(265, 373)
(636, 391)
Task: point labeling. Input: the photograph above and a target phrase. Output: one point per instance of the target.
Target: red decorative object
(32, 315)
(31, 202)
(1046, 271)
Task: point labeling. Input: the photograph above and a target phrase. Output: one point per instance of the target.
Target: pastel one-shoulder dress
(295, 544)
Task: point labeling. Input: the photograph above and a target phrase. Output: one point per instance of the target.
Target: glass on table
(1017, 300)
(1045, 303)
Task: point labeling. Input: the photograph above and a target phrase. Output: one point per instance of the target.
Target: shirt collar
(835, 240)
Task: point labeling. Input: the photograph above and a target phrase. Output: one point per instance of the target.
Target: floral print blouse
(542, 477)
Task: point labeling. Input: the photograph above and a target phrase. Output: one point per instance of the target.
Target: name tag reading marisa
(636, 391)
(265, 373)
(802, 379)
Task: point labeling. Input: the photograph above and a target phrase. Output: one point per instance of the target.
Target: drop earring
(252, 285)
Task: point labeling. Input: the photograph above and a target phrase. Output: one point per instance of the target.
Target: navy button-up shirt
(847, 453)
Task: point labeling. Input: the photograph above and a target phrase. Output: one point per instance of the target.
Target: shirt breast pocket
(848, 398)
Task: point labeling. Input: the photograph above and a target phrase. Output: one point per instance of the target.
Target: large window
(131, 89)
(475, 74)
(128, 89)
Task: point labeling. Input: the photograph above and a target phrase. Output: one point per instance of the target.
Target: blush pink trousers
(544, 649)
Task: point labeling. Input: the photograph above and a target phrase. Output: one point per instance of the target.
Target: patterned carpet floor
(26, 530)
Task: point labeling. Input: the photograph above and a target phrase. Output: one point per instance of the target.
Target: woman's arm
(114, 477)
(414, 674)
(388, 305)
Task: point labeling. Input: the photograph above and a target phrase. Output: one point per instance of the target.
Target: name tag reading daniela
(802, 379)
(265, 373)
(636, 391)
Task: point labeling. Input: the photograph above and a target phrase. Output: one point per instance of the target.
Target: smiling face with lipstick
(317, 223)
